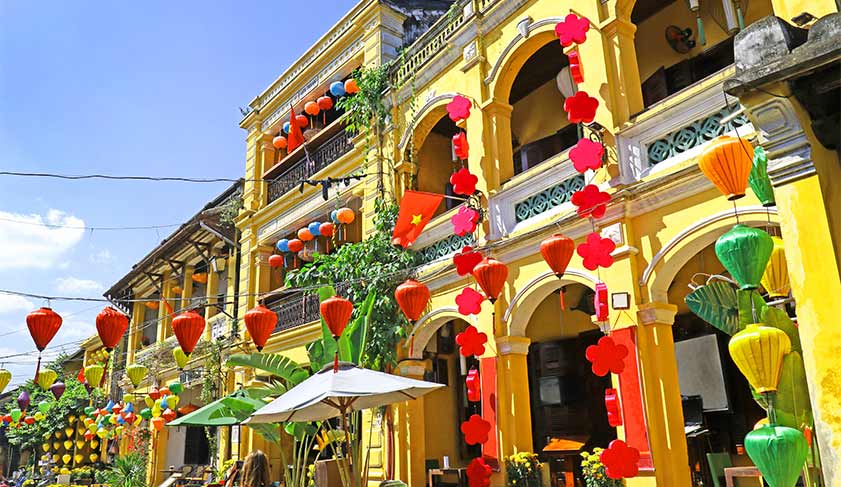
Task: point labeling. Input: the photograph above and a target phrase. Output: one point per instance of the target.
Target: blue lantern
(314, 228)
(286, 127)
(283, 245)
(338, 89)
(110, 406)
(164, 402)
(334, 215)
(129, 408)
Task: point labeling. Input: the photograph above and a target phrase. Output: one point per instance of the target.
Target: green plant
(594, 470)
(127, 471)
(212, 383)
(523, 470)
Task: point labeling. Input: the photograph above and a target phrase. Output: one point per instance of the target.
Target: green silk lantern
(759, 181)
(779, 453)
(744, 252)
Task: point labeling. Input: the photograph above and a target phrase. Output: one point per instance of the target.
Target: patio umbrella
(205, 416)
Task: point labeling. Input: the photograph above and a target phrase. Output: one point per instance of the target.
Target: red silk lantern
(412, 297)
(260, 323)
(336, 312)
(155, 393)
(279, 142)
(43, 325)
(169, 415)
(325, 103)
(276, 261)
(474, 389)
(575, 69)
(311, 108)
(600, 301)
(295, 245)
(111, 326)
(557, 251)
(491, 275)
(351, 86)
(611, 403)
(188, 327)
(326, 229)
(302, 121)
(305, 234)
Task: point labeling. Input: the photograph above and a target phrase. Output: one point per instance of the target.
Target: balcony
(329, 146)
(298, 309)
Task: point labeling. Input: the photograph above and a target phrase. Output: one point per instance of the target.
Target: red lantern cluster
(260, 323)
(188, 328)
(111, 325)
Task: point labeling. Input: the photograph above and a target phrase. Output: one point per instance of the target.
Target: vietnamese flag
(416, 209)
(295, 138)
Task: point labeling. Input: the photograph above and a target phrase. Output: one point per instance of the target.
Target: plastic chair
(718, 462)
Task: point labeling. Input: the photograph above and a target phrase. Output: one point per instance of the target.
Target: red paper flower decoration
(596, 251)
(471, 341)
(620, 460)
(464, 182)
(575, 69)
(581, 107)
(474, 391)
(572, 29)
(478, 473)
(466, 260)
(607, 356)
(586, 154)
(590, 201)
(475, 430)
(464, 221)
(469, 302)
(459, 108)
(460, 145)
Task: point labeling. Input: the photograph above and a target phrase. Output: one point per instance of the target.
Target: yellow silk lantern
(68, 444)
(45, 446)
(78, 457)
(5, 377)
(93, 374)
(94, 457)
(56, 445)
(80, 444)
(94, 444)
(180, 357)
(68, 431)
(46, 377)
(66, 458)
(136, 373)
(775, 279)
(758, 352)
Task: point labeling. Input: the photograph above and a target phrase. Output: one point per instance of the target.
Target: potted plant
(594, 471)
(523, 470)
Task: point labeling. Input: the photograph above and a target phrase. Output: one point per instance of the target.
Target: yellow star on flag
(416, 219)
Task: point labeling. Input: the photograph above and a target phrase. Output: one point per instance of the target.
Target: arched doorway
(435, 158)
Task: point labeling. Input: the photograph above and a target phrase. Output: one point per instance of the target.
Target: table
(437, 472)
(732, 472)
(569, 449)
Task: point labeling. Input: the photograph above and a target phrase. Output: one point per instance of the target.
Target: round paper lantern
(111, 325)
(315, 228)
(336, 312)
(136, 373)
(775, 278)
(260, 323)
(727, 163)
(280, 142)
(779, 453)
(491, 275)
(58, 390)
(286, 127)
(345, 215)
(188, 327)
(302, 121)
(94, 373)
(43, 324)
(46, 378)
(295, 245)
(744, 252)
(282, 245)
(758, 352)
(180, 357)
(759, 181)
(5, 378)
(412, 297)
(351, 86)
(311, 108)
(325, 103)
(275, 261)
(305, 235)
(557, 251)
(337, 88)
(325, 229)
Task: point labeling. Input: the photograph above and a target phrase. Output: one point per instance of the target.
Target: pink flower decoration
(590, 201)
(460, 145)
(466, 260)
(620, 460)
(596, 251)
(464, 221)
(575, 69)
(581, 107)
(572, 29)
(606, 356)
(471, 341)
(469, 302)
(459, 108)
(474, 390)
(475, 430)
(478, 473)
(586, 154)
(464, 182)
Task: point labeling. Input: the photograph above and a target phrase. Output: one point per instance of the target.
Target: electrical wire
(110, 177)
(82, 227)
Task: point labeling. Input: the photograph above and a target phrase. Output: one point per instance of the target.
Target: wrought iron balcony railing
(298, 309)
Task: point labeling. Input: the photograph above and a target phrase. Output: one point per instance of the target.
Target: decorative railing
(548, 198)
(299, 309)
(695, 134)
(432, 41)
(444, 247)
(324, 155)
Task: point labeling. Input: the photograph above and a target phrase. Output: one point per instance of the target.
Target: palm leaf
(315, 352)
(273, 389)
(751, 307)
(299, 430)
(267, 430)
(778, 318)
(716, 303)
(352, 341)
(274, 363)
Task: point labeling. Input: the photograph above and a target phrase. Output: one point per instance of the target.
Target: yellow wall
(539, 114)
(435, 164)
(550, 323)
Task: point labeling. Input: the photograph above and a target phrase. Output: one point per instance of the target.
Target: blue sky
(133, 88)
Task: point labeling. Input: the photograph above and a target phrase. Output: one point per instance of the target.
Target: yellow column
(157, 456)
(137, 314)
(513, 405)
(664, 410)
(262, 268)
(622, 71)
(252, 196)
(410, 439)
(498, 161)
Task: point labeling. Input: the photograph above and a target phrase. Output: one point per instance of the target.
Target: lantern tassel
(563, 304)
(104, 373)
(38, 367)
(412, 345)
(336, 362)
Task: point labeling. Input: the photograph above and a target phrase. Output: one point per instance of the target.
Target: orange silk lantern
(295, 245)
(336, 312)
(187, 409)
(345, 215)
(311, 108)
(111, 325)
(158, 423)
(412, 297)
(302, 120)
(305, 234)
(152, 304)
(275, 261)
(727, 162)
(325, 103)
(188, 327)
(260, 323)
(351, 87)
(557, 251)
(326, 229)
(491, 275)
(279, 142)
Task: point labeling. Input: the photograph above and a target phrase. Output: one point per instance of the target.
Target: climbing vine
(213, 382)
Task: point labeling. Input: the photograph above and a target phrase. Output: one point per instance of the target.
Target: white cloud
(74, 285)
(11, 304)
(102, 257)
(73, 330)
(27, 243)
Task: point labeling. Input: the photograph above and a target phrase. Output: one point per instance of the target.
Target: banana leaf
(273, 389)
(792, 400)
(300, 430)
(716, 303)
(352, 341)
(778, 318)
(275, 364)
(315, 352)
(750, 312)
